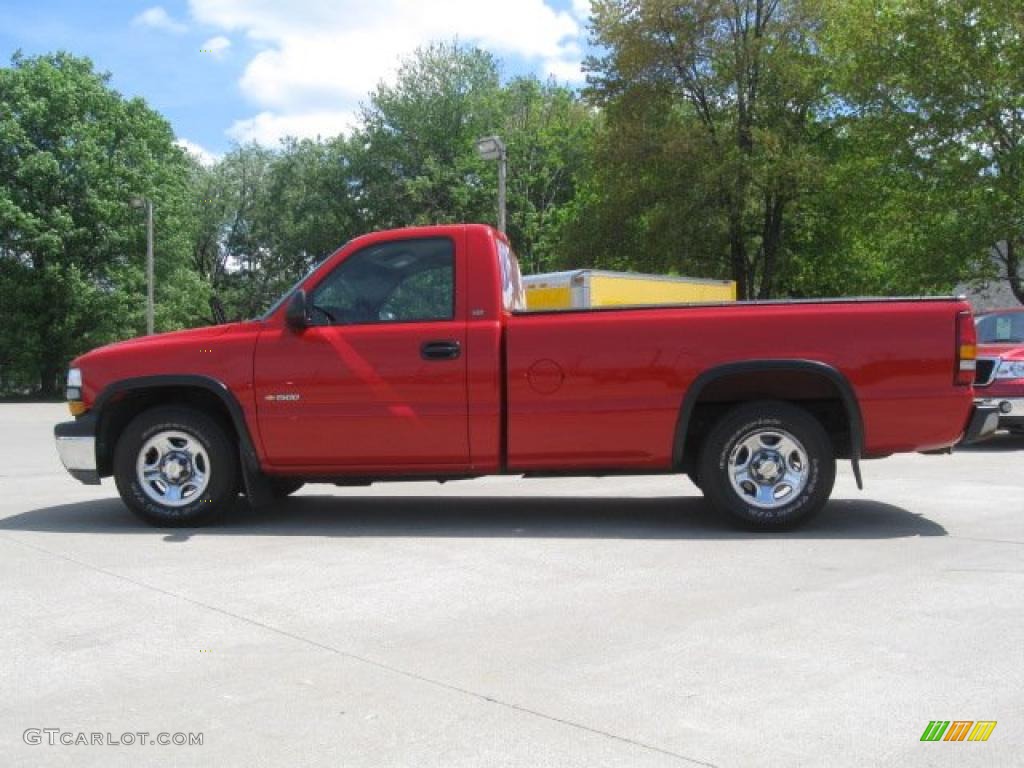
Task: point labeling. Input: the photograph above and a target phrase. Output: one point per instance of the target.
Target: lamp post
(493, 148)
(145, 202)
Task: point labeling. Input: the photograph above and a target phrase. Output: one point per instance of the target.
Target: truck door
(379, 379)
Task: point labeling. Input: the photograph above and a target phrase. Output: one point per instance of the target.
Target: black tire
(281, 487)
(220, 463)
(761, 423)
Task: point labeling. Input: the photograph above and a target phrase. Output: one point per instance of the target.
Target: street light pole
(145, 202)
(150, 308)
(493, 148)
(502, 176)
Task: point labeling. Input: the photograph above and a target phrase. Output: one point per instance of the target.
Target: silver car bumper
(77, 452)
(76, 446)
(1009, 407)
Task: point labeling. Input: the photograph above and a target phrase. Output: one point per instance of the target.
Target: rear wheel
(176, 466)
(768, 464)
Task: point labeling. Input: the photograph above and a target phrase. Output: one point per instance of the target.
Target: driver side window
(396, 282)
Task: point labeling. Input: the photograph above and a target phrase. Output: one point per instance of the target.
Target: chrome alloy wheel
(173, 469)
(768, 468)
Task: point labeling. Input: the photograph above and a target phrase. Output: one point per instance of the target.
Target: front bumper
(76, 446)
(984, 422)
(1010, 409)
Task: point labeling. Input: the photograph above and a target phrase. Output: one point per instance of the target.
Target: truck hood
(222, 353)
(140, 343)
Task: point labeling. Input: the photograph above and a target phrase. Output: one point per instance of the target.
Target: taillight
(966, 349)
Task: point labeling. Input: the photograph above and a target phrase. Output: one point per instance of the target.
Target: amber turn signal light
(966, 349)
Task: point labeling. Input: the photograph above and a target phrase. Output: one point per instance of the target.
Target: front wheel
(770, 465)
(176, 466)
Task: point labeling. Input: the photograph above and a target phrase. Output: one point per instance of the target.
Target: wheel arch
(751, 380)
(123, 400)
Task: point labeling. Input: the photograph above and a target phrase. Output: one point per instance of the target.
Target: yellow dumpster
(586, 288)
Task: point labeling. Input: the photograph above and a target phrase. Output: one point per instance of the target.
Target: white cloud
(564, 71)
(216, 46)
(201, 153)
(158, 18)
(320, 58)
(268, 128)
(581, 9)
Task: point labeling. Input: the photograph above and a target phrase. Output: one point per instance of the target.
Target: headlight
(73, 393)
(1010, 369)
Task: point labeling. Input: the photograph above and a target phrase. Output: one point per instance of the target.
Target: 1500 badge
(285, 398)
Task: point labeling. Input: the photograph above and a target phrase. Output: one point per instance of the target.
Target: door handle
(440, 350)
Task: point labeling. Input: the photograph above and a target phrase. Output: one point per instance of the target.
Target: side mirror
(296, 315)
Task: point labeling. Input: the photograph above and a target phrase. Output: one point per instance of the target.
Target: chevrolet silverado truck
(407, 354)
(1000, 367)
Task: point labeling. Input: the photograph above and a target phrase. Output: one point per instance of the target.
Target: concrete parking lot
(515, 622)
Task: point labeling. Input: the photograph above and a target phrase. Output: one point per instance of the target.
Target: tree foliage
(418, 162)
(415, 159)
(936, 89)
(73, 153)
(740, 81)
(800, 147)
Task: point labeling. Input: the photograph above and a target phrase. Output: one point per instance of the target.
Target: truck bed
(605, 385)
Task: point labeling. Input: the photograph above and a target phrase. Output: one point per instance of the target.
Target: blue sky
(238, 70)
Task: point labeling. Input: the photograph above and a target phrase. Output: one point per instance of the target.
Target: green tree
(648, 196)
(418, 162)
(71, 247)
(936, 96)
(414, 158)
(230, 203)
(745, 82)
(262, 217)
(308, 209)
(549, 133)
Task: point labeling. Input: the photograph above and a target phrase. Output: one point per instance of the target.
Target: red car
(408, 354)
(1000, 373)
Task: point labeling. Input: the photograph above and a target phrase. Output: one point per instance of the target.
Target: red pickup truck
(408, 354)
(1000, 366)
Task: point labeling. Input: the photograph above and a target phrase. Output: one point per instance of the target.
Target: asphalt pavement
(512, 622)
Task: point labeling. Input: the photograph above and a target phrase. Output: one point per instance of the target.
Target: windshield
(1001, 328)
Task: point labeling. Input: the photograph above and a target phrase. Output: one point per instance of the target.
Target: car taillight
(966, 349)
